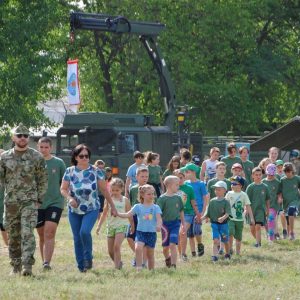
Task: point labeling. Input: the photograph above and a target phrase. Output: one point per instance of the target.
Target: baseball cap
(108, 169)
(220, 184)
(190, 167)
(240, 180)
(236, 165)
(21, 129)
(271, 169)
(295, 153)
(279, 162)
(196, 160)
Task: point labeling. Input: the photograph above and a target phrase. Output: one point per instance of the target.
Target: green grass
(271, 272)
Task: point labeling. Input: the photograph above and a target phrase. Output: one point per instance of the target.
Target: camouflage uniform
(24, 178)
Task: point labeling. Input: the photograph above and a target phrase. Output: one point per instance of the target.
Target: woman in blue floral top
(80, 186)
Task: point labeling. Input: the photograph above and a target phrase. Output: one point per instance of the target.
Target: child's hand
(252, 222)
(158, 228)
(221, 219)
(198, 218)
(132, 229)
(98, 230)
(183, 228)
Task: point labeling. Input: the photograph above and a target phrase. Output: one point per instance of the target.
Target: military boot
(16, 270)
(27, 270)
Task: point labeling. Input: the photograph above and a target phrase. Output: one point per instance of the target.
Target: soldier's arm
(42, 179)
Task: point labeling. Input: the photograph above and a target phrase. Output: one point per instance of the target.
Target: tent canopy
(286, 137)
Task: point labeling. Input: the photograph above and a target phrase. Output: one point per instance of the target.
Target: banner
(73, 83)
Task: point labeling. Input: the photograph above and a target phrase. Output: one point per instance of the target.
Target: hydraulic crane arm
(147, 32)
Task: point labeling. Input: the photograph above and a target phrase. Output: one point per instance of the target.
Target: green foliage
(236, 61)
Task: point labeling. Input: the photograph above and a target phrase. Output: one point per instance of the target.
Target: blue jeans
(82, 226)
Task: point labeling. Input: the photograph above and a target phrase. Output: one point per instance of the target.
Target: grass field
(271, 272)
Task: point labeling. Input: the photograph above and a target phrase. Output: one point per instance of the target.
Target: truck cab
(113, 138)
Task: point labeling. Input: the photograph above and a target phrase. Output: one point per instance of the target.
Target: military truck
(113, 137)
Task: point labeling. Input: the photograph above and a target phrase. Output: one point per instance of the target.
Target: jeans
(82, 226)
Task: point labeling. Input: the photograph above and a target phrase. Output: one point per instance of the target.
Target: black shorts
(51, 214)
(2, 227)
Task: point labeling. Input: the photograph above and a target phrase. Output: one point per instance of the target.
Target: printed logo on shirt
(183, 196)
(262, 192)
(53, 215)
(53, 171)
(148, 217)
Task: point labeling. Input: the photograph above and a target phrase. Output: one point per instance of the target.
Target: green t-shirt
(133, 195)
(211, 190)
(237, 203)
(258, 194)
(289, 187)
(247, 167)
(187, 194)
(166, 173)
(217, 208)
(229, 163)
(171, 206)
(274, 190)
(154, 174)
(55, 169)
(1, 204)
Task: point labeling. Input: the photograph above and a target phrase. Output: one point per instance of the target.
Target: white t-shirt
(237, 203)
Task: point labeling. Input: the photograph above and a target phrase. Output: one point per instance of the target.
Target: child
(131, 172)
(238, 200)
(263, 165)
(208, 170)
(172, 214)
(116, 227)
(237, 170)
(279, 174)
(108, 177)
(187, 195)
(155, 172)
(273, 185)
(173, 165)
(218, 211)
(185, 157)
(231, 159)
(220, 175)
(149, 221)
(289, 188)
(142, 176)
(279, 169)
(100, 164)
(259, 196)
(246, 164)
(201, 195)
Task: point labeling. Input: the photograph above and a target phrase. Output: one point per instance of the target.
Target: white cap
(220, 184)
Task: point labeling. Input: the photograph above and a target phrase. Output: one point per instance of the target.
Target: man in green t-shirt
(50, 211)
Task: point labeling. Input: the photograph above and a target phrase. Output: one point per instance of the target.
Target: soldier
(24, 177)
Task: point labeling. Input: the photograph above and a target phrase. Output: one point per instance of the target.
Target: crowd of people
(229, 192)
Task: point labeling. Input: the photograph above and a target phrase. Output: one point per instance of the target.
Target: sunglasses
(20, 135)
(234, 183)
(81, 156)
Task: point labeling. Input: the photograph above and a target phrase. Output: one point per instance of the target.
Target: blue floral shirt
(84, 188)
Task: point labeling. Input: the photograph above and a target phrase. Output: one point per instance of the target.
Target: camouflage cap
(21, 129)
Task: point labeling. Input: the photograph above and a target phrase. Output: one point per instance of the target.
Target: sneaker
(200, 249)
(133, 262)
(27, 270)
(231, 251)
(194, 254)
(184, 257)
(277, 236)
(221, 251)
(168, 262)
(214, 258)
(292, 236)
(16, 270)
(82, 270)
(284, 233)
(88, 264)
(46, 266)
(227, 256)
(257, 245)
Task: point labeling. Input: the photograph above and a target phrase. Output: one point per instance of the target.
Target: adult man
(50, 211)
(24, 177)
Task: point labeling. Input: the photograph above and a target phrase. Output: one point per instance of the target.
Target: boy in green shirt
(190, 208)
(218, 211)
(51, 209)
(231, 159)
(289, 188)
(238, 201)
(259, 196)
(172, 209)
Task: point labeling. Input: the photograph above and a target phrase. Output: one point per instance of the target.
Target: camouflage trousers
(20, 220)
